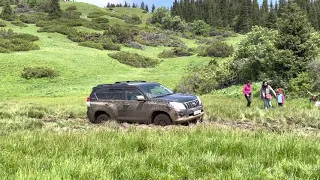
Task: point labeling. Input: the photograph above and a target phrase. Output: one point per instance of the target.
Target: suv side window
(110, 94)
(131, 94)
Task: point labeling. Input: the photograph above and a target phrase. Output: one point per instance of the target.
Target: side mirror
(141, 98)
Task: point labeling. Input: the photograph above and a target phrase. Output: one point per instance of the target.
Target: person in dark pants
(247, 89)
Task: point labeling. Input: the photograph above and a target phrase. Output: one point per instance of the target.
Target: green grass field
(45, 135)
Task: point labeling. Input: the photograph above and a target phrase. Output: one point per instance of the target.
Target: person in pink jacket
(247, 89)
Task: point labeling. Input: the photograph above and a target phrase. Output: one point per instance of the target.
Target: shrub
(96, 14)
(176, 52)
(134, 19)
(3, 24)
(19, 23)
(33, 18)
(71, 8)
(23, 8)
(10, 41)
(220, 33)
(26, 37)
(100, 20)
(71, 14)
(205, 78)
(22, 45)
(122, 34)
(218, 49)
(38, 72)
(109, 45)
(58, 29)
(135, 45)
(159, 39)
(134, 59)
(92, 45)
(301, 84)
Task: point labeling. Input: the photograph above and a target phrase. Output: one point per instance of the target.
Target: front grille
(191, 104)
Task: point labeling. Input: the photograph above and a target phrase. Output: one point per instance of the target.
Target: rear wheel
(162, 120)
(102, 118)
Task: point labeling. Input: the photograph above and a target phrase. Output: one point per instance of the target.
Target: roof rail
(129, 81)
(105, 84)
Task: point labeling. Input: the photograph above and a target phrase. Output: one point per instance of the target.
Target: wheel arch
(156, 113)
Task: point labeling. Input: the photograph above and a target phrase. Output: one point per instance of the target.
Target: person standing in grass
(280, 97)
(247, 89)
(266, 93)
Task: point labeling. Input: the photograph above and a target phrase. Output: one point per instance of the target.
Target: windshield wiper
(164, 95)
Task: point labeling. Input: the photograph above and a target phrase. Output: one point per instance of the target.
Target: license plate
(197, 112)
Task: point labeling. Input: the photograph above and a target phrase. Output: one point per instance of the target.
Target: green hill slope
(79, 67)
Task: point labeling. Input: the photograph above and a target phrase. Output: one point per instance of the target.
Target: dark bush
(111, 46)
(33, 18)
(100, 20)
(3, 24)
(123, 34)
(96, 14)
(71, 8)
(220, 33)
(71, 14)
(38, 72)
(135, 45)
(19, 23)
(26, 37)
(205, 78)
(92, 45)
(134, 19)
(22, 45)
(218, 49)
(63, 22)
(176, 52)
(134, 60)
(10, 41)
(23, 8)
(159, 39)
(100, 23)
(77, 36)
(58, 29)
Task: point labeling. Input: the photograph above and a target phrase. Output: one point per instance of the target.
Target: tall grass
(175, 153)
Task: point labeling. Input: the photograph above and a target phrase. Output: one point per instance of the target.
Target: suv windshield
(155, 90)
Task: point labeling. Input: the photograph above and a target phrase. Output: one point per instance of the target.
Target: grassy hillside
(45, 134)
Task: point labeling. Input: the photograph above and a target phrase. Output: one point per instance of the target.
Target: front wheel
(102, 118)
(162, 120)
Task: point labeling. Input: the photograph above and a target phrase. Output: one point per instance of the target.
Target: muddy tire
(102, 118)
(162, 120)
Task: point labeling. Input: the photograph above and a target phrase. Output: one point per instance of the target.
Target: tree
(142, 6)
(295, 39)
(146, 8)
(243, 23)
(153, 8)
(255, 13)
(7, 13)
(54, 9)
(159, 14)
(254, 55)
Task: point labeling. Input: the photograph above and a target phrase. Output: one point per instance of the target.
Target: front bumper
(180, 120)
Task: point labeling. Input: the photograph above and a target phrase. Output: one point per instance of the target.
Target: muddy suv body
(142, 102)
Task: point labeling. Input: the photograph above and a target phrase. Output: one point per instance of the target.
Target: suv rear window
(110, 94)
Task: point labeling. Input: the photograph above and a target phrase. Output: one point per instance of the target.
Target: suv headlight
(177, 106)
(200, 102)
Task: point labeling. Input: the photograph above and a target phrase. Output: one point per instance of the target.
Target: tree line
(241, 15)
(142, 6)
